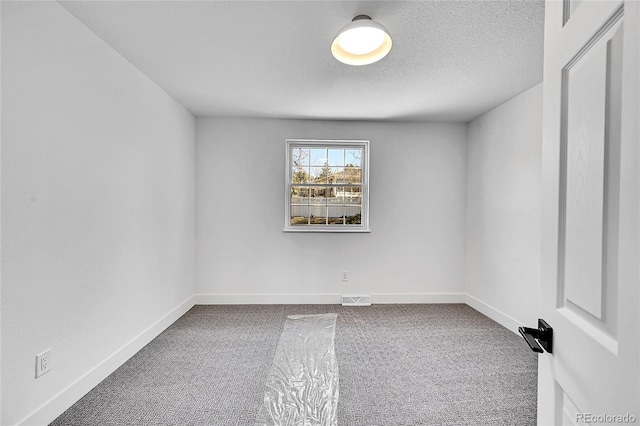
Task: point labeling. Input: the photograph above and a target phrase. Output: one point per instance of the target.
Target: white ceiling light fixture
(362, 41)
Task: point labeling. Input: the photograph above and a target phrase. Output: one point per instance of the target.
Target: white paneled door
(591, 233)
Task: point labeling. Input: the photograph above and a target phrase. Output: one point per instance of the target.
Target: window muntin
(327, 185)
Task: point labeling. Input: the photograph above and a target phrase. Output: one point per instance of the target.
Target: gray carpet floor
(398, 365)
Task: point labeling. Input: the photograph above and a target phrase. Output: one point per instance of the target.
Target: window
(327, 186)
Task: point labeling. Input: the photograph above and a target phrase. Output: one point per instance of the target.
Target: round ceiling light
(362, 41)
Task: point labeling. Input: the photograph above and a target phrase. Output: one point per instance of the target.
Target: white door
(590, 231)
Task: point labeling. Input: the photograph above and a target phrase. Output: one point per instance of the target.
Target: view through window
(326, 183)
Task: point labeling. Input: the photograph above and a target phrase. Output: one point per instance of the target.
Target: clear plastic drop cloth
(302, 385)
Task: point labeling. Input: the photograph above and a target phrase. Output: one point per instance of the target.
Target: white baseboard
(496, 315)
(323, 299)
(418, 298)
(268, 299)
(57, 405)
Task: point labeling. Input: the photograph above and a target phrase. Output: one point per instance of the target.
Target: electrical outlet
(345, 276)
(43, 363)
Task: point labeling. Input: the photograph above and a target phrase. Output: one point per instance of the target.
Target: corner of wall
(498, 316)
(54, 407)
(502, 250)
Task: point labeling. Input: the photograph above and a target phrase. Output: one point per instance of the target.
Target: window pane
(353, 196)
(353, 215)
(353, 175)
(299, 215)
(299, 174)
(318, 195)
(335, 214)
(318, 156)
(353, 157)
(300, 194)
(299, 209)
(335, 196)
(336, 175)
(318, 215)
(300, 156)
(319, 174)
(336, 157)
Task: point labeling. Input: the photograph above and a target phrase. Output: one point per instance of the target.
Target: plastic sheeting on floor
(302, 386)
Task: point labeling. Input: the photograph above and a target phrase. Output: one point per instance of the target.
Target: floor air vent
(356, 300)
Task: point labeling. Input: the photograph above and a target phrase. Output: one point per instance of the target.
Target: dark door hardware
(539, 338)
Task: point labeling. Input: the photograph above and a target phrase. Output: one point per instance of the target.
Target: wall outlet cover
(43, 363)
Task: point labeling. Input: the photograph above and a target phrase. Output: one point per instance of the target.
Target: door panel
(589, 179)
(590, 233)
(570, 7)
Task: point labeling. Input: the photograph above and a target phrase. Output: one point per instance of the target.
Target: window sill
(329, 230)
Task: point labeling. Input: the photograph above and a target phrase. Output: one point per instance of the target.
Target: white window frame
(328, 143)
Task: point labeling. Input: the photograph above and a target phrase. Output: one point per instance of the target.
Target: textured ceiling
(451, 60)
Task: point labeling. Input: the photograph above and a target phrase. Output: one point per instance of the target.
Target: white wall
(97, 209)
(414, 253)
(503, 210)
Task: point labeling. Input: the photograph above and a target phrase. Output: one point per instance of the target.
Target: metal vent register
(361, 300)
